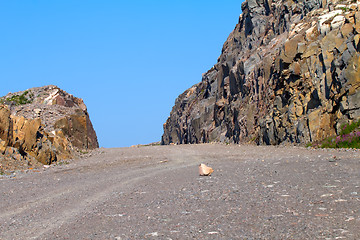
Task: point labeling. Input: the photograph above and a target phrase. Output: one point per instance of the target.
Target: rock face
(43, 125)
(288, 73)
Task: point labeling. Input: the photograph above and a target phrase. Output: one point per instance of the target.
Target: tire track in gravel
(58, 192)
(251, 186)
(76, 197)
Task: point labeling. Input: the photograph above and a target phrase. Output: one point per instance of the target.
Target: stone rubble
(205, 170)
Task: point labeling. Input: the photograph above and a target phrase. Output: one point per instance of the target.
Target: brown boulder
(79, 130)
(320, 125)
(30, 138)
(31, 129)
(205, 170)
(5, 124)
(352, 74)
(291, 46)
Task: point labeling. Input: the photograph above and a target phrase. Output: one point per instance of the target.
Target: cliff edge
(288, 73)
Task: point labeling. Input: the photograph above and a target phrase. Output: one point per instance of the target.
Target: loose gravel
(156, 192)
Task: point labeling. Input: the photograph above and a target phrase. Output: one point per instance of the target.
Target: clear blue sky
(128, 60)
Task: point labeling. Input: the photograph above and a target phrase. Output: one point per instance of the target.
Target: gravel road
(156, 192)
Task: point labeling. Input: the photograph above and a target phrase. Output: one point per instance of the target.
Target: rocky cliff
(288, 73)
(42, 125)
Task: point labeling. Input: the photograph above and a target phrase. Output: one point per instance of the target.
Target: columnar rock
(44, 124)
(289, 72)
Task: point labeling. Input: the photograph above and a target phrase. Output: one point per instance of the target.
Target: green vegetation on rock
(349, 137)
(19, 99)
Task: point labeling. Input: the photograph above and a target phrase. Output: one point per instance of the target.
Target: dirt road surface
(156, 192)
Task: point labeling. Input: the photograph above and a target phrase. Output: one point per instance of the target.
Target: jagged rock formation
(43, 125)
(288, 73)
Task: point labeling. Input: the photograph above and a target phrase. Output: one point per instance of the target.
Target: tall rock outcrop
(43, 125)
(288, 73)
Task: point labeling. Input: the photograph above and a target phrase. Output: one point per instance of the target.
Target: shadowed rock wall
(289, 72)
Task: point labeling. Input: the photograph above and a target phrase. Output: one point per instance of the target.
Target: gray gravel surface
(156, 192)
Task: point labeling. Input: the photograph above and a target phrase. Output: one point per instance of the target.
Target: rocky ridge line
(288, 73)
(41, 126)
